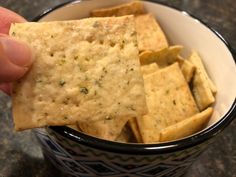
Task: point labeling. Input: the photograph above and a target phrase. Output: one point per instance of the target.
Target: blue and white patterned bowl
(77, 154)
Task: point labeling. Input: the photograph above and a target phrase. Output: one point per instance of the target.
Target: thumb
(15, 59)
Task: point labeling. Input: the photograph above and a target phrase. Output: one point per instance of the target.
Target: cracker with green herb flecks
(169, 101)
(84, 70)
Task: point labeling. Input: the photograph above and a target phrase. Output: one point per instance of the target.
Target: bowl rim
(148, 149)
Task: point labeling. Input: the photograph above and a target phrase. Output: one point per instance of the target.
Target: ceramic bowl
(77, 154)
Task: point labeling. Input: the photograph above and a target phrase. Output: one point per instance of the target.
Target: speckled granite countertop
(20, 154)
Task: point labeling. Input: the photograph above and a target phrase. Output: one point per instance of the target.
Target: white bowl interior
(181, 29)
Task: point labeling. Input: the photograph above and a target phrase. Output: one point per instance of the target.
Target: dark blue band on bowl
(145, 149)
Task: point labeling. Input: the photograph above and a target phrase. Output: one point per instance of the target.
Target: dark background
(20, 154)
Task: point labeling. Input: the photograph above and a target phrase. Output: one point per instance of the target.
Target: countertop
(20, 154)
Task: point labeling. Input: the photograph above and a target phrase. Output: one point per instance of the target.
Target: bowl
(78, 154)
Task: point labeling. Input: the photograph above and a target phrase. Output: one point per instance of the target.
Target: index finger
(6, 18)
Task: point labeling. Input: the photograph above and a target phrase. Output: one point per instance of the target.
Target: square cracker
(186, 127)
(169, 101)
(201, 91)
(196, 60)
(203, 88)
(78, 65)
(132, 8)
(149, 33)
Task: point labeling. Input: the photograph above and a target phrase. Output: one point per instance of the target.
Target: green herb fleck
(131, 69)
(65, 117)
(84, 90)
(62, 83)
(52, 36)
(13, 33)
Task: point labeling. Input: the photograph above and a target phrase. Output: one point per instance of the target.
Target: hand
(15, 56)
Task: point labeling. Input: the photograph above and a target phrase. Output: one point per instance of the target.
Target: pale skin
(15, 56)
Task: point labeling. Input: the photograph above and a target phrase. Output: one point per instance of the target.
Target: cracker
(149, 33)
(163, 57)
(135, 129)
(78, 65)
(135, 7)
(187, 69)
(202, 91)
(149, 68)
(196, 60)
(186, 127)
(169, 101)
(108, 129)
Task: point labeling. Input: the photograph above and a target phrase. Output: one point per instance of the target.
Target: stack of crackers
(113, 76)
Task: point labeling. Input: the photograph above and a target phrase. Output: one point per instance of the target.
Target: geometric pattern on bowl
(78, 160)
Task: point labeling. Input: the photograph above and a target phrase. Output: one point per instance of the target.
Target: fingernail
(17, 52)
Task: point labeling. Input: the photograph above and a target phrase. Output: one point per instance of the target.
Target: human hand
(15, 56)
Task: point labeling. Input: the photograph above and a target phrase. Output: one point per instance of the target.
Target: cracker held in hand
(84, 70)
